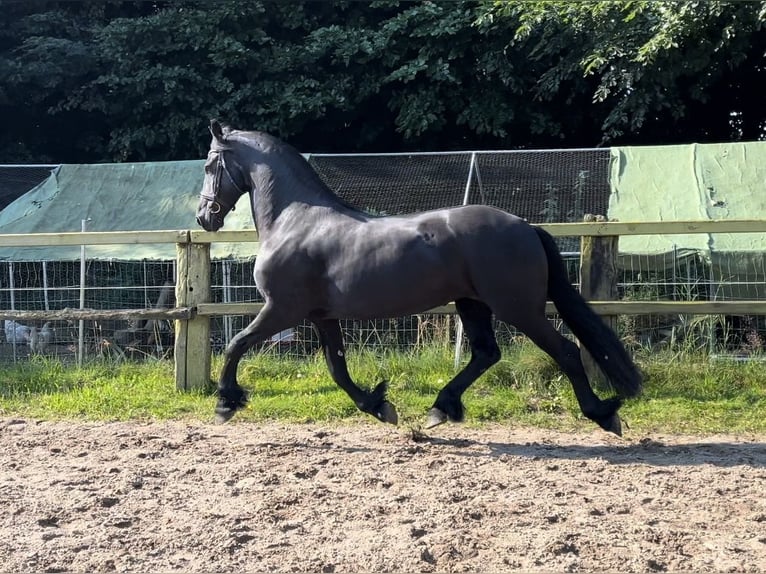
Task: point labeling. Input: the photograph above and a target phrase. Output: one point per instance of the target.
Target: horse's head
(225, 181)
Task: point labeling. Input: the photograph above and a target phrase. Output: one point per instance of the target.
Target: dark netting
(395, 184)
(551, 187)
(16, 180)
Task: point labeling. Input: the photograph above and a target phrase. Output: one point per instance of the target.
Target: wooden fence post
(598, 282)
(192, 347)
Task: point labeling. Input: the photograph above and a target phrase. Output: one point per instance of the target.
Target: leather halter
(216, 205)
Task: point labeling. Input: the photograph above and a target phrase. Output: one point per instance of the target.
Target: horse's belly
(376, 295)
(388, 309)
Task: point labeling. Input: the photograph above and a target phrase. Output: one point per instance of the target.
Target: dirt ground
(165, 497)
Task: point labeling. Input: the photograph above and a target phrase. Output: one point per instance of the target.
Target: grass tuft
(683, 392)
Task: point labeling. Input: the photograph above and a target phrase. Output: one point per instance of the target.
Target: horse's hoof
(230, 400)
(387, 413)
(435, 418)
(223, 414)
(612, 424)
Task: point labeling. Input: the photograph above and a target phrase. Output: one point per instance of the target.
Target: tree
(381, 76)
(43, 54)
(137, 80)
(666, 71)
(141, 83)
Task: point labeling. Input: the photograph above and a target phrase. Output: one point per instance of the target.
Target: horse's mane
(300, 167)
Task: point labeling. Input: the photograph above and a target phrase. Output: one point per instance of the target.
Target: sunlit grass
(48, 389)
(686, 393)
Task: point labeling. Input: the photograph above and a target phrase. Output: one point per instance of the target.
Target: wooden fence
(194, 309)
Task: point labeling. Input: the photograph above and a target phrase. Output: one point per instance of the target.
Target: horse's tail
(600, 341)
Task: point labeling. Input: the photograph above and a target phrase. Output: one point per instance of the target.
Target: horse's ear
(216, 129)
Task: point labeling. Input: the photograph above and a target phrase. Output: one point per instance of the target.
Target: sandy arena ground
(193, 497)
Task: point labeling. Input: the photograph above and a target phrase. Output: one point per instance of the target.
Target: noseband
(216, 205)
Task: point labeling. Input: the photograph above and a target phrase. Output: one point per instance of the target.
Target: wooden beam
(220, 309)
(655, 227)
(244, 236)
(600, 307)
(239, 236)
(679, 307)
(92, 238)
(597, 228)
(69, 314)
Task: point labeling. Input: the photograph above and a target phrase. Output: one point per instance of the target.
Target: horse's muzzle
(203, 223)
(208, 223)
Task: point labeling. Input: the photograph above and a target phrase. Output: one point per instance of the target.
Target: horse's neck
(275, 194)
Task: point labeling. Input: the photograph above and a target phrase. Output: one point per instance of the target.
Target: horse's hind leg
(232, 397)
(567, 356)
(374, 402)
(477, 323)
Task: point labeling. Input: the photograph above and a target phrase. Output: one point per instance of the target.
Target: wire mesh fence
(542, 187)
(35, 285)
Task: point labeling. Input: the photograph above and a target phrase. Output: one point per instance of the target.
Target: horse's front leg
(232, 397)
(374, 402)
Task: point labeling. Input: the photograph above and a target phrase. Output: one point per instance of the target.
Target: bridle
(216, 205)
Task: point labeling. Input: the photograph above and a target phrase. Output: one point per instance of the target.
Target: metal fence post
(459, 332)
(81, 322)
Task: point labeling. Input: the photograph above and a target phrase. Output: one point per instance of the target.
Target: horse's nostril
(199, 221)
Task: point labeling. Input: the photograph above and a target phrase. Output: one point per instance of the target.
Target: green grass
(683, 393)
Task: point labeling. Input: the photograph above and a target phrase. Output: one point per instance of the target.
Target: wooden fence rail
(193, 307)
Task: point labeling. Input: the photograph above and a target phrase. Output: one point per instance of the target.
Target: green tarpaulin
(694, 182)
(116, 197)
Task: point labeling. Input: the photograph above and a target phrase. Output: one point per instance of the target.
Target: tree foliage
(138, 80)
(676, 69)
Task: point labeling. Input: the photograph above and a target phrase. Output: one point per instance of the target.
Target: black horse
(323, 260)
